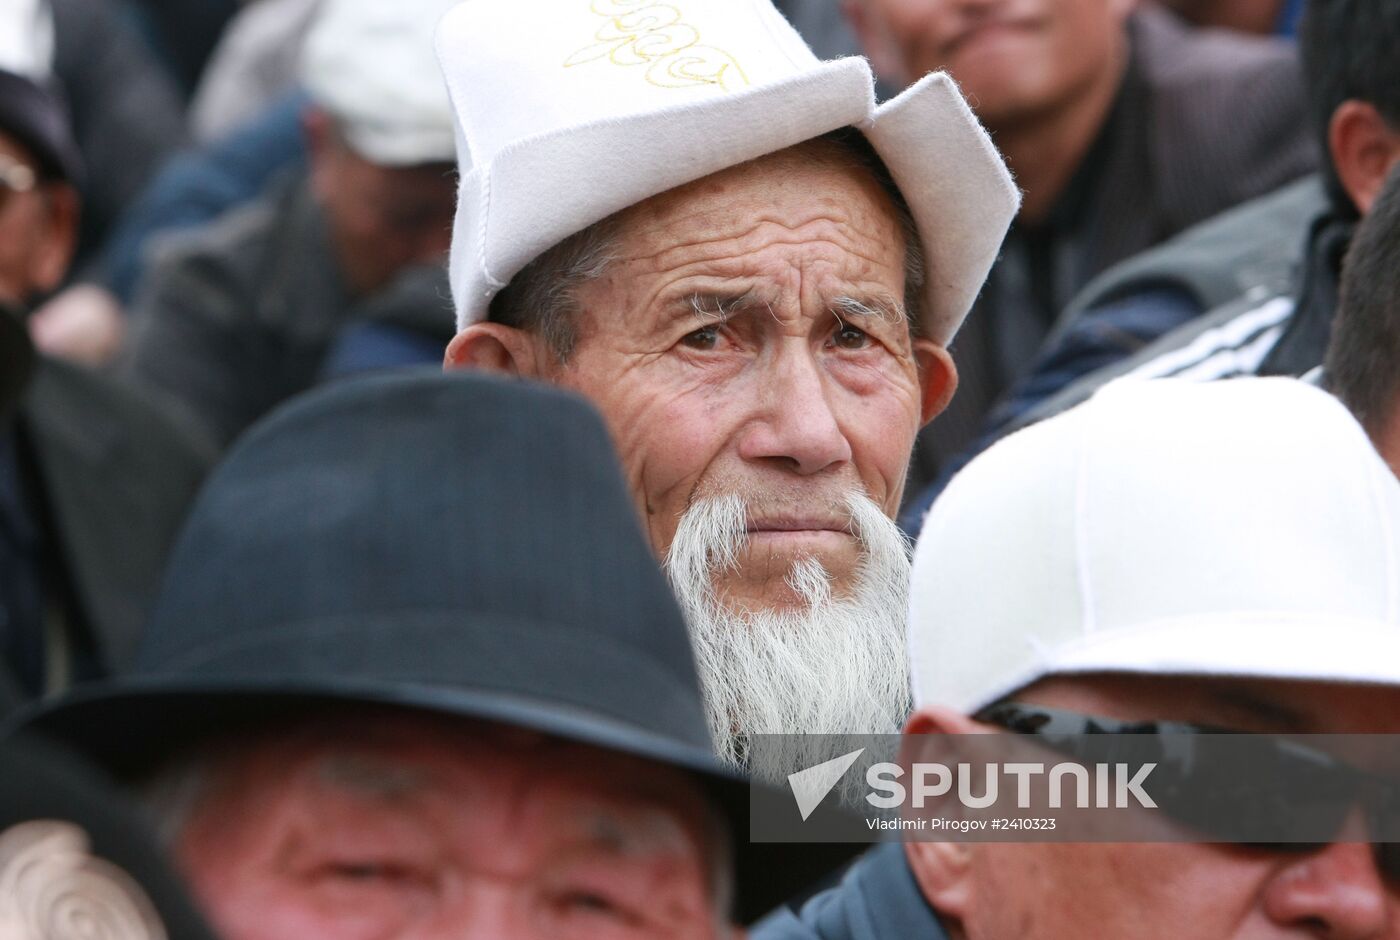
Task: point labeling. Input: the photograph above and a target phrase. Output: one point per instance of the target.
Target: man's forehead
(812, 179)
(387, 754)
(538, 788)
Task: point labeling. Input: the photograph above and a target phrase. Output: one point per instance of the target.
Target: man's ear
(876, 41)
(494, 347)
(1364, 148)
(938, 379)
(55, 249)
(943, 870)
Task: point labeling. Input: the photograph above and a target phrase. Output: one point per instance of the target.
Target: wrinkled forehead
(820, 178)
(497, 778)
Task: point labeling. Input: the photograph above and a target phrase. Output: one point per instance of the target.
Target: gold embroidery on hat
(651, 34)
(51, 888)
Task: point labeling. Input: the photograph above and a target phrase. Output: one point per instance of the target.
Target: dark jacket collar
(114, 479)
(1304, 341)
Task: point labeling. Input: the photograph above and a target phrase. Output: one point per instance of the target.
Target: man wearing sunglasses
(1167, 559)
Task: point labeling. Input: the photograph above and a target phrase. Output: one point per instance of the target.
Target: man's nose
(481, 912)
(1336, 893)
(795, 424)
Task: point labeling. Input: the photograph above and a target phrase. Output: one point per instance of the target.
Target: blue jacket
(877, 900)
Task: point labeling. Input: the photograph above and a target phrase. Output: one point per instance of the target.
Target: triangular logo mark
(810, 786)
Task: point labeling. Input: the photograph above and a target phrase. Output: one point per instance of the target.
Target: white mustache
(835, 666)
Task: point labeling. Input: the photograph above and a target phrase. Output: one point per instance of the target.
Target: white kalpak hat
(26, 39)
(370, 64)
(571, 110)
(1243, 528)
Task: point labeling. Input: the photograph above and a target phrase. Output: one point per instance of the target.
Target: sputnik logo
(810, 786)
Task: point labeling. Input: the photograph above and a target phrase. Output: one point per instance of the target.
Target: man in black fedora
(415, 671)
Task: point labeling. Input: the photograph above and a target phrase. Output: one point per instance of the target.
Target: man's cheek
(882, 436)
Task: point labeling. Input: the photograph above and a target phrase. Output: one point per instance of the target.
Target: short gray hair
(543, 297)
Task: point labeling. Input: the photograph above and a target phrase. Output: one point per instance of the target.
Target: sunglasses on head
(1268, 791)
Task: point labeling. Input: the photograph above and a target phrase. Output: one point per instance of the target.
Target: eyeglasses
(1264, 790)
(15, 178)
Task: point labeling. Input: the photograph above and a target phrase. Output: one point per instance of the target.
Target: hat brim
(129, 726)
(1247, 645)
(962, 197)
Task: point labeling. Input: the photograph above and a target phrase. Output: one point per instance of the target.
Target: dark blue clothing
(1288, 18)
(877, 900)
(371, 347)
(201, 185)
(21, 573)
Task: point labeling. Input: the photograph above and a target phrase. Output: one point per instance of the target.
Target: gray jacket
(239, 315)
(877, 900)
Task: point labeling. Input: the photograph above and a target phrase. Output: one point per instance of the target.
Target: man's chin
(774, 571)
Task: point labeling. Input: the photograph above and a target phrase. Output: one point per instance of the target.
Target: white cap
(1244, 528)
(571, 110)
(370, 64)
(26, 39)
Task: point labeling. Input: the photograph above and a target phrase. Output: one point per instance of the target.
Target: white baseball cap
(1244, 528)
(370, 64)
(570, 110)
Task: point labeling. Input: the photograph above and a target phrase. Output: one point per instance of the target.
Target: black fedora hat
(76, 860)
(452, 543)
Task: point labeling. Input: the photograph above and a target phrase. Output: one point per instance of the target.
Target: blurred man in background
(1363, 359)
(93, 482)
(1122, 125)
(243, 313)
(1254, 291)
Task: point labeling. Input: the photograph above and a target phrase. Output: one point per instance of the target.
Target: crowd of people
(460, 459)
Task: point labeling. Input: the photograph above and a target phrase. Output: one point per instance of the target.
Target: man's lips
(990, 29)
(778, 526)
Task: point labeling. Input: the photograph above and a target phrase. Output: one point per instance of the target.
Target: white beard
(833, 666)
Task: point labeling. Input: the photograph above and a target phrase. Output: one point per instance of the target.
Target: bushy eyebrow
(652, 832)
(869, 309)
(716, 308)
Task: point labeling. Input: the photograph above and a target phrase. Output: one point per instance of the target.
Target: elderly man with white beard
(675, 209)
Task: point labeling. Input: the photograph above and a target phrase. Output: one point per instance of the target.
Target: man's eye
(589, 901)
(368, 871)
(849, 337)
(705, 338)
(594, 904)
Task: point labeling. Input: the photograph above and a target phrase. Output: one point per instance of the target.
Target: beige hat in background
(1243, 528)
(370, 64)
(571, 110)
